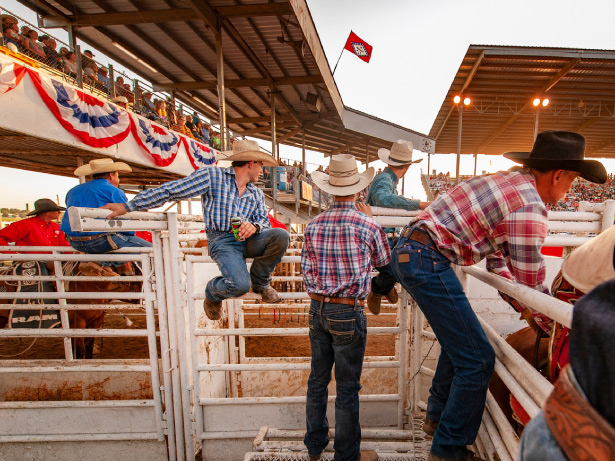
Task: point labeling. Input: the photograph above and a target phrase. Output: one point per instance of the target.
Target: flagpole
(338, 59)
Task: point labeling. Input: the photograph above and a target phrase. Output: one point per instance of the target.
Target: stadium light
(537, 102)
(466, 102)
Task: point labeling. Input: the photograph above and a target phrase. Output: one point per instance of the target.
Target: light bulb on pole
(466, 102)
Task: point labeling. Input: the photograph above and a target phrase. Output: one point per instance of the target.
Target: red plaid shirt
(341, 246)
(500, 217)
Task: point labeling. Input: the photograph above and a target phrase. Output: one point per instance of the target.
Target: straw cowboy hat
(399, 155)
(118, 99)
(248, 151)
(44, 205)
(102, 165)
(344, 177)
(561, 150)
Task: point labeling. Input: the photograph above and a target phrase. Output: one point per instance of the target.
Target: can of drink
(235, 223)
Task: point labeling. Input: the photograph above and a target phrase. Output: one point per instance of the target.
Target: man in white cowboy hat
(39, 230)
(499, 217)
(228, 193)
(341, 246)
(383, 193)
(100, 190)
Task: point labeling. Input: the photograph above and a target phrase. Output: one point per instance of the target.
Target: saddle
(93, 269)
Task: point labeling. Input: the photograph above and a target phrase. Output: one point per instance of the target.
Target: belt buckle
(327, 299)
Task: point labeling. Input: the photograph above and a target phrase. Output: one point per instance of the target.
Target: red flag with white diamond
(359, 47)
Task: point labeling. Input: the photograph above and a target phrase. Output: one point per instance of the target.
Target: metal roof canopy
(268, 49)
(502, 82)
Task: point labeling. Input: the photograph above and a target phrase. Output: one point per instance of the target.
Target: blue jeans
(267, 248)
(108, 242)
(459, 386)
(337, 335)
(537, 442)
(385, 280)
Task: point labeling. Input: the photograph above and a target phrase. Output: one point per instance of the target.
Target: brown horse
(87, 319)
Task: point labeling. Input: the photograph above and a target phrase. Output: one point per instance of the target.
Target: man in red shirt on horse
(39, 230)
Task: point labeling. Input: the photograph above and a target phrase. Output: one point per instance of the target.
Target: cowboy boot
(392, 296)
(269, 295)
(373, 302)
(213, 309)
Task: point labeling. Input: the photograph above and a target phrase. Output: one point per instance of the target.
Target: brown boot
(269, 295)
(392, 296)
(429, 427)
(213, 309)
(373, 302)
(369, 456)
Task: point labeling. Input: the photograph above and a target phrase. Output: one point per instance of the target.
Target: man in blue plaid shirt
(227, 193)
(341, 247)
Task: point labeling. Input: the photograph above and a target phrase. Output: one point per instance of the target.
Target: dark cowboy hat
(561, 150)
(43, 205)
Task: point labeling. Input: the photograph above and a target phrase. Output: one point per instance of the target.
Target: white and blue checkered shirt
(220, 195)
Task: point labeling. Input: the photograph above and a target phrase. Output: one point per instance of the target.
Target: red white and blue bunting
(161, 143)
(199, 154)
(96, 123)
(10, 75)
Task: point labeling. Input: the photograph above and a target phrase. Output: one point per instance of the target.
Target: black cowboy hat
(561, 150)
(43, 205)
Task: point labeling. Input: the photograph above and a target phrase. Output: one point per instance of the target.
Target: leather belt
(331, 299)
(86, 238)
(418, 235)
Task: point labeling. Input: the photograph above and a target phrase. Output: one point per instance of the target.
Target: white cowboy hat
(102, 165)
(399, 155)
(344, 177)
(122, 99)
(247, 151)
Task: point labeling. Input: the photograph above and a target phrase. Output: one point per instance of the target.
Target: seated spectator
(103, 77)
(91, 72)
(70, 64)
(35, 47)
(182, 128)
(146, 102)
(10, 30)
(206, 132)
(120, 101)
(63, 52)
(87, 58)
(49, 47)
(198, 131)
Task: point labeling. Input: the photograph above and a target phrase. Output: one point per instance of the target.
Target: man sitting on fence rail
(577, 421)
(228, 193)
(341, 246)
(102, 189)
(383, 193)
(500, 217)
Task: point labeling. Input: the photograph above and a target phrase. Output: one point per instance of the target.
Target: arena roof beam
(59, 19)
(206, 14)
(239, 83)
(545, 88)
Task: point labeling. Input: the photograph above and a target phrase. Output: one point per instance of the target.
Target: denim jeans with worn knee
(337, 335)
(107, 242)
(385, 280)
(267, 248)
(459, 386)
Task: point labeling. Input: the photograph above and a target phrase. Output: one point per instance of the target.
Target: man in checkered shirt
(501, 218)
(341, 247)
(228, 193)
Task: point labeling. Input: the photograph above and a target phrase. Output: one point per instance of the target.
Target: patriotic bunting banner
(199, 154)
(10, 75)
(161, 143)
(94, 122)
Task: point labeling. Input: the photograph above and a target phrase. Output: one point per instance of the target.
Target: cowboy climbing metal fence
(496, 439)
(42, 414)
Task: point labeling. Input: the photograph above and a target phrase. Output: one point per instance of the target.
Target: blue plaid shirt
(341, 246)
(220, 195)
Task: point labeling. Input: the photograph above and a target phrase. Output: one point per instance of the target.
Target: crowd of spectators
(585, 191)
(26, 41)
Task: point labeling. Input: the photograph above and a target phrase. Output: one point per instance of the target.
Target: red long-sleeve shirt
(33, 232)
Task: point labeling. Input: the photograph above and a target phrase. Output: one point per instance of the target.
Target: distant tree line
(13, 212)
